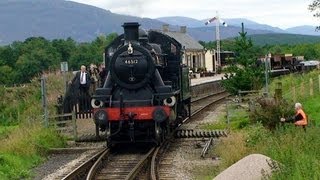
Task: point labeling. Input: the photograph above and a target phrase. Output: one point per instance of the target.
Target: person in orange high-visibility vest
(300, 119)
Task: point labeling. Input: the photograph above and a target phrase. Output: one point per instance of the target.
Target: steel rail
(95, 167)
(134, 172)
(202, 108)
(206, 147)
(153, 169)
(84, 166)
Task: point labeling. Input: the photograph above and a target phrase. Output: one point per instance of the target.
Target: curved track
(130, 163)
(120, 165)
(161, 167)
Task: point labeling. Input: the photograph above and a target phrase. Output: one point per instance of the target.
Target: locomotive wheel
(97, 131)
(158, 133)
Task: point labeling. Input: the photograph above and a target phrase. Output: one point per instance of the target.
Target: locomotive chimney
(131, 31)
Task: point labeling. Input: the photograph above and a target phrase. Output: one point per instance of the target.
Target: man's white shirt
(83, 79)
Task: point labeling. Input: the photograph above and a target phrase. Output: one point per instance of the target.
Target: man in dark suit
(82, 83)
(82, 80)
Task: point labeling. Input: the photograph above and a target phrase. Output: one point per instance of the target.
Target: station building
(193, 51)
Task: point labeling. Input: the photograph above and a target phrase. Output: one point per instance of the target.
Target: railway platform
(203, 80)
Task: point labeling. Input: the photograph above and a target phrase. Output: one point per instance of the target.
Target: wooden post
(74, 123)
(311, 86)
(302, 90)
(228, 116)
(278, 91)
(44, 100)
(319, 82)
(294, 92)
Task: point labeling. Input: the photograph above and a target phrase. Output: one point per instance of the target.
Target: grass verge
(24, 149)
(24, 140)
(297, 151)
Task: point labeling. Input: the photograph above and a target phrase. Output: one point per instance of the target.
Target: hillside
(308, 30)
(208, 33)
(272, 39)
(190, 22)
(20, 19)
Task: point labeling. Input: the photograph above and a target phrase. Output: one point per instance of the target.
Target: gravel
(187, 158)
(57, 163)
(252, 167)
(186, 153)
(54, 162)
(69, 166)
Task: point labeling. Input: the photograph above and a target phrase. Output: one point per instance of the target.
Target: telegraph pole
(218, 60)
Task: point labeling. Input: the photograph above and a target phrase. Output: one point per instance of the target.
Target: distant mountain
(208, 33)
(182, 21)
(253, 25)
(272, 39)
(190, 22)
(308, 30)
(51, 19)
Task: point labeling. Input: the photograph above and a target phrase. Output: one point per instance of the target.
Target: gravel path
(187, 158)
(61, 162)
(69, 166)
(186, 153)
(54, 162)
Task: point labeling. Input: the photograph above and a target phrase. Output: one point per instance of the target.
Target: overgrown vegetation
(294, 149)
(24, 148)
(24, 140)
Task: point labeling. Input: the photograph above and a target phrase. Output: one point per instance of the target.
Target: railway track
(120, 165)
(129, 164)
(162, 167)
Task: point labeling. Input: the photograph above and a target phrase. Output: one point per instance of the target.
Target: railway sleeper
(190, 133)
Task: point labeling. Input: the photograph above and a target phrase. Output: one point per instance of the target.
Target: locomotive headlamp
(130, 49)
(159, 115)
(96, 104)
(171, 101)
(101, 117)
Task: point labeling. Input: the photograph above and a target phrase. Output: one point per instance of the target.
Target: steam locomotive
(146, 93)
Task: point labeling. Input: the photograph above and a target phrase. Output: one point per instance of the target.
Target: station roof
(185, 40)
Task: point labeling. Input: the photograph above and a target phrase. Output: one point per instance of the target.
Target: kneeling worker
(300, 119)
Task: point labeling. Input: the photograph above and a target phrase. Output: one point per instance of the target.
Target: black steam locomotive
(146, 93)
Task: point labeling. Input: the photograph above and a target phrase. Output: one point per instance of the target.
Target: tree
(243, 73)
(315, 8)
(36, 55)
(87, 53)
(6, 76)
(65, 48)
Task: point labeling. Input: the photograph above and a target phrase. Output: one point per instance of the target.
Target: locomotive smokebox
(131, 31)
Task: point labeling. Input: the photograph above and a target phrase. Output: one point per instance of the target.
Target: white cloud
(285, 13)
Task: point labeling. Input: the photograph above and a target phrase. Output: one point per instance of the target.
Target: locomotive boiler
(146, 93)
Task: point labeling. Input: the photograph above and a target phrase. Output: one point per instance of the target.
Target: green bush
(270, 111)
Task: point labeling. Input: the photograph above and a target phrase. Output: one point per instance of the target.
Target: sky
(278, 13)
